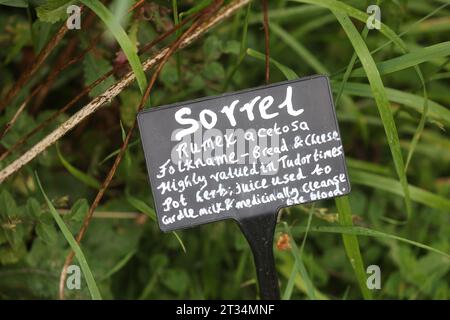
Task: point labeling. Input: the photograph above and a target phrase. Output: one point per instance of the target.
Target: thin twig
(267, 39)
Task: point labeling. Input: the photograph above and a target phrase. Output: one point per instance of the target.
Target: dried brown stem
(42, 89)
(26, 76)
(84, 92)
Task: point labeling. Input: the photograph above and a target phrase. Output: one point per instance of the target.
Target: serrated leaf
(53, 10)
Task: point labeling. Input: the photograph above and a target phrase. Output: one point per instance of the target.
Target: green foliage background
(128, 255)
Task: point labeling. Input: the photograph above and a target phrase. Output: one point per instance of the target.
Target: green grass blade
(287, 72)
(122, 38)
(348, 71)
(361, 120)
(351, 245)
(291, 282)
(285, 270)
(390, 185)
(419, 130)
(366, 166)
(200, 5)
(360, 231)
(381, 99)
(284, 14)
(310, 290)
(150, 212)
(313, 24)
(242, 50)
(119, 265)
(298, 48)
(340, 7)
(92, 286)
(409, 59)
(308, 224)
(436, 112)
(78, 174)
(116, 152)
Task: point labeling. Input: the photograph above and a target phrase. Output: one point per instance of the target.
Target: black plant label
(243, 154)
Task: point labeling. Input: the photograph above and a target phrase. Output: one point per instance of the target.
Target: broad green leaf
(92, 286)
(122, 38)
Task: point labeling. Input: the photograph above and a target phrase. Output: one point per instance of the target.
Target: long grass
(92, 285)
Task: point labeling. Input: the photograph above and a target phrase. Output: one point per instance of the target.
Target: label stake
(259, 232)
